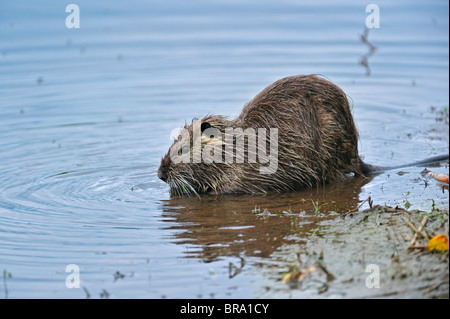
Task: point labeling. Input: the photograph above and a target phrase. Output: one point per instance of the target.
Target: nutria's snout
(162, 170)
(162, 175)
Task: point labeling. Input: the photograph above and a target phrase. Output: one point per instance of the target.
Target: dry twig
(422, 225)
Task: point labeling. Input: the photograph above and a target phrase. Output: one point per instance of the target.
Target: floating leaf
(440, 177)
(439, 243)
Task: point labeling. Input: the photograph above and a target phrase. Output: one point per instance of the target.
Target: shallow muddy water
(86, 115)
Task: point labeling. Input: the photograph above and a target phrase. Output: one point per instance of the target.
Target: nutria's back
(317, 142)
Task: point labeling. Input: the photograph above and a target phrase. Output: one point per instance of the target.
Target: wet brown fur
(317, 142)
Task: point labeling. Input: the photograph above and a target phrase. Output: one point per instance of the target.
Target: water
(86, 114)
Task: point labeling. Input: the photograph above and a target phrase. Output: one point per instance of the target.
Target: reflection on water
(364, 60)
(256, 225)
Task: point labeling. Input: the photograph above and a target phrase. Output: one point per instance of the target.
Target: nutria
(317, 143)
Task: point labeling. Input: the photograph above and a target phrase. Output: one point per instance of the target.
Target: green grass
(317, 207)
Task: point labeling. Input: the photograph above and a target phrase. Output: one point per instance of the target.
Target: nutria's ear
(205, 125)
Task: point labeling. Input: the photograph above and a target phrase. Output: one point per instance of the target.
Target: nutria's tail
(368, 169)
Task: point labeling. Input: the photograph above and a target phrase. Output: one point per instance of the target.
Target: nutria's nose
(162, 176)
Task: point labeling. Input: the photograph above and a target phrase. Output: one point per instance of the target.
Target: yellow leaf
(440, 177)
(439, 243)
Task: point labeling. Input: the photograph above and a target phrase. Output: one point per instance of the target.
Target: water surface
(86, 115)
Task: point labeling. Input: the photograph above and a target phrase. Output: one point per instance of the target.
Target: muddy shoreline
(339, 259)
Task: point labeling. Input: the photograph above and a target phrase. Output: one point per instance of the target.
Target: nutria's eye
(211, 134)
(205, 125)
(184, 150)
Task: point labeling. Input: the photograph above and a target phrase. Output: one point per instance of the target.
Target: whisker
(189, 186)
